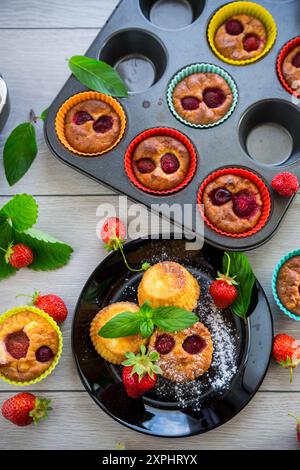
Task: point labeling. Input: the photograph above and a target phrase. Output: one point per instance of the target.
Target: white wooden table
(36, 38)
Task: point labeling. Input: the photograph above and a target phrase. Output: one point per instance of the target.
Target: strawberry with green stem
(25, 408)
(223, 290)
(113, 233)
(18, 255)
(140, 372)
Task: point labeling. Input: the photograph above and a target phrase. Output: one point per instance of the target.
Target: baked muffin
(291, 68)
(114, 350)
(169, 284)
(202, 98)
(184, 356)
(241, 37)
(161, 163)
(232, 203)
(92, 126)
(28, 346)
(288, 284)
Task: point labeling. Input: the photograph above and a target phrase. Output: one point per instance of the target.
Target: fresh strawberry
(113, 233)
(223, 290)
(285, 184)
(25, 408)
(223, 293)
(297, 418)
(51, 304)
(140, 373)
(286, 351)
(19, 255)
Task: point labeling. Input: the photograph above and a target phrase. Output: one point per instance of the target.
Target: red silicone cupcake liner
(159, 131)
(264, 191)
(282, 55)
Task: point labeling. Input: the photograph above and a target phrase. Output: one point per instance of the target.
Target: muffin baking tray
(149, 42)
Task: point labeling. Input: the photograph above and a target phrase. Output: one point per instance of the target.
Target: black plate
(132, 32)
(164, 415)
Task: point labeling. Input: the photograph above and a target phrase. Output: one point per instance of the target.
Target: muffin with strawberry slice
(29, 344)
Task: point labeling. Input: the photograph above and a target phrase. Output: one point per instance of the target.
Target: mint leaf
(97, 75)
(241, 268)
(49, 253)
(124, 324)
(146, 328)
(146, 309)
(19, 152)
(44, 114)
(6, 270)
(173, 318)
(21, 211)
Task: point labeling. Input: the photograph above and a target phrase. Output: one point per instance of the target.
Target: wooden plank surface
(39, 14)
(77, 423)
(34, 64)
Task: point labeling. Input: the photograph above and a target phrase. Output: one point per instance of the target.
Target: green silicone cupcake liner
(50, 369)
(274, 281)
(201, 68)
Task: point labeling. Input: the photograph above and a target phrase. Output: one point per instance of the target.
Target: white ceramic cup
(3, 94)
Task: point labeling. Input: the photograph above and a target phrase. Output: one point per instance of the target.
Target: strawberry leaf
(173, 318)
(124, 324)
(241, 268)
(49, 253)
(6, 270)
(21, 212)
(19, 152)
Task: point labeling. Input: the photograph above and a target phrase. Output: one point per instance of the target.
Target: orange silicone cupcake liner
(79, 98)
(160, 131)
(264, 191)
(287, 48)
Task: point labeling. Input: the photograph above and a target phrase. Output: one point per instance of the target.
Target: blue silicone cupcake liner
(274, 281)
(201, 68)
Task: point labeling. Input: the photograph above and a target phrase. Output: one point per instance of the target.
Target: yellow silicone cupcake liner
(79, 98)
(238, 8)
(50, 369)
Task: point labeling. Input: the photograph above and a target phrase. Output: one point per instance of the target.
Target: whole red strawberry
(19, 255)
(51, 304)
(223, 290)
(286, 351)
(140, 373)
(25, 408)
(285, 184)
(113, 233)
(298, 424)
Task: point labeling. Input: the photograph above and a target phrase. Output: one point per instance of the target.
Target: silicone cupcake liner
(160, 131)
(264, 191)
(43, 314)
(287, 48)
(274, 281)
(79, 98)
(201, 68)
(237, 8)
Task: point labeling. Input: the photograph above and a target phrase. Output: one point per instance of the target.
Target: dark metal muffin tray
(149, 55)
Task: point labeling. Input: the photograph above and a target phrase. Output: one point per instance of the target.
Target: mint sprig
(17, 217)
(98, 75)
(240, 269)
(169, 319)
